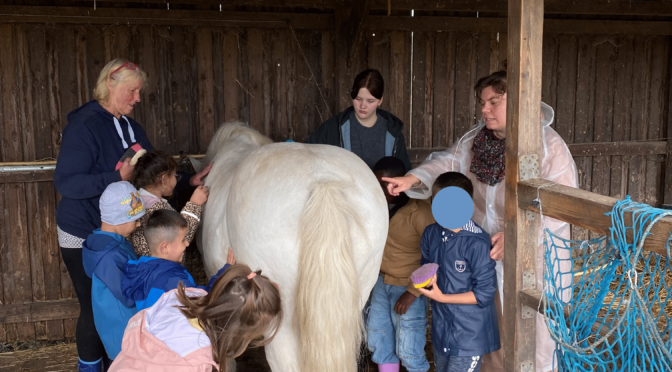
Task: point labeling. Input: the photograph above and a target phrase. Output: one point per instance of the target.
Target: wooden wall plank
(180, 97)
(398, 91)
(292, 83)
(306, 118)
(328, 60)
(278, 72)
(379, 59)
(230, 74)
(429, 91)
(255, 52)
(39, 203)
(584, 114)
(549, 81)
(482, 68)
(640, 114)
(465, 64)
(566, 88)
(266, 84)
(205, 87)
(604, 96)
(420, 41)
(658, 68)
(16, 259)
(622, 114)
(443, 73)
(149, 114)
(244, 98)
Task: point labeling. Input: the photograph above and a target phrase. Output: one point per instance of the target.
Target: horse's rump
(320, 202)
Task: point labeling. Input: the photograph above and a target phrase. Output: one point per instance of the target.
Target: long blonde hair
(237, 312)
(101, 93)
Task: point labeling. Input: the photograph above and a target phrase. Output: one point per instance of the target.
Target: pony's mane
(234, 130)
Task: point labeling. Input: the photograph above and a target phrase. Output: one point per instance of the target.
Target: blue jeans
(445, 363)
(391, 336)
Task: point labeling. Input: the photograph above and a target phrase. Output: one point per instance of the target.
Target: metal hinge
(527, 367)
(527, 312)
(529, 280)
(528, 167)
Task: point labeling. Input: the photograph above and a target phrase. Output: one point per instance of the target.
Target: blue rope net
(607, 302)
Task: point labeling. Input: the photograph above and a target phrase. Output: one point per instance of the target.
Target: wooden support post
(523, 144)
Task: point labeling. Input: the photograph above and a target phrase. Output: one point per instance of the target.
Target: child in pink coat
(191, 330)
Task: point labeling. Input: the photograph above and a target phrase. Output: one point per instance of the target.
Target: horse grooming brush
(134, 153)
(423, 275)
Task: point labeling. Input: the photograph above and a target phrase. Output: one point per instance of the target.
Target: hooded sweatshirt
(148, 278)
(336, 132)
(161, 338)
(93, 142)
(464, 265)
(104, 255)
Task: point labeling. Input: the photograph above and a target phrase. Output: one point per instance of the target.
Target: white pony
(314, 219)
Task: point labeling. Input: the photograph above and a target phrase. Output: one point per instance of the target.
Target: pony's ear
(197, 164)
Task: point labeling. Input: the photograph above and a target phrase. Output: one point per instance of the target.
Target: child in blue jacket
(464, 317)
(104, 254)
(149, 277)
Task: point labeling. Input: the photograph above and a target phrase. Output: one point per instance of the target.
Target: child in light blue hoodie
(104, 254)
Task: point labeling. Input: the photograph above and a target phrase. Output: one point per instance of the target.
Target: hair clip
(252, 275)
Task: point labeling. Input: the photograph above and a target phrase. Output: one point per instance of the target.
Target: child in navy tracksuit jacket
(104, 254)
(146, 279)
(464, 317)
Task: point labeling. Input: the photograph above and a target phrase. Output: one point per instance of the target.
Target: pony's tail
(328, 294)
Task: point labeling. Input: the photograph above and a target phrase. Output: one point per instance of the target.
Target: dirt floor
(63, 357)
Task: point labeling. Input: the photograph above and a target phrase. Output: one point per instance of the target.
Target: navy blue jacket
(104, 255)
(464, 265)
(90, 150)
(148, 278)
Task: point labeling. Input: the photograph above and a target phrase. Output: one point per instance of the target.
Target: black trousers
(89, 346)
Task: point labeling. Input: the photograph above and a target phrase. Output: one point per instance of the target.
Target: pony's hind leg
(282, 353)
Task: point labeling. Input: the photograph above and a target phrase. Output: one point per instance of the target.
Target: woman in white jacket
(480, 155)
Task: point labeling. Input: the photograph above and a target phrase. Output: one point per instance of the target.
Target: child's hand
(200, 195)
(434, 293)
(404, 302)
(231, 258)
(197, 179)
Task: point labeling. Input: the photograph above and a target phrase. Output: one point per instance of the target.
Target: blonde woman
(96, 137)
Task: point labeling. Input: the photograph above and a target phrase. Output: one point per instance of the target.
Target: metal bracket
(528, 312)
(529, 280)
(528, 167)
(526, 367)
(530, 216)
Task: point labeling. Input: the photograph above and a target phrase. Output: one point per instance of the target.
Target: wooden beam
(523, 140)
(551, 26)
(39, 311)
(72, 15)
(27, 176)
(583, 208)
(614, 7)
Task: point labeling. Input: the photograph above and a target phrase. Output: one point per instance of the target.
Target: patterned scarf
(488, 162)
